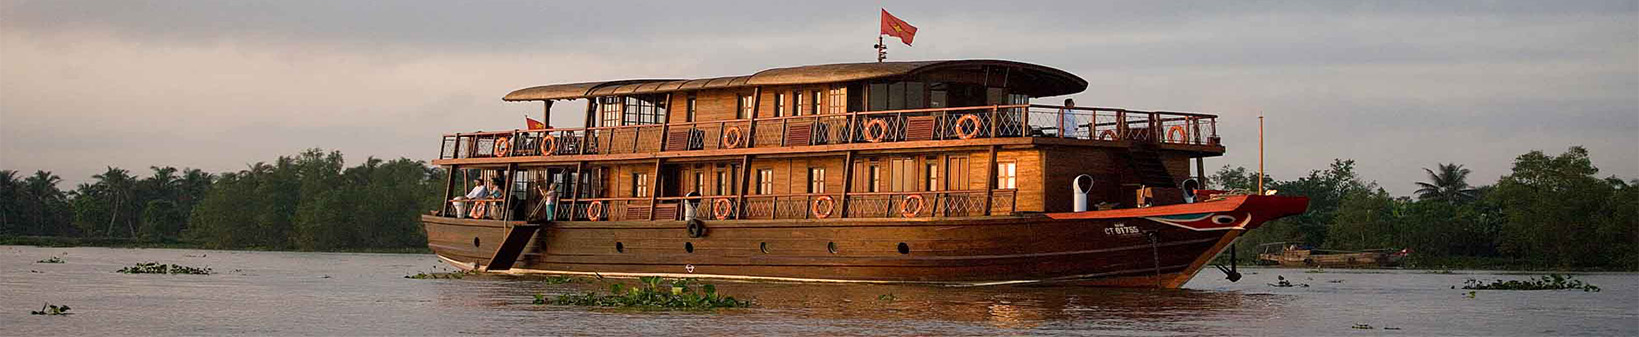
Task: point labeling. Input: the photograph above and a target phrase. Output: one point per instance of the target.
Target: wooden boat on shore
(1294, 256)
(934, 172)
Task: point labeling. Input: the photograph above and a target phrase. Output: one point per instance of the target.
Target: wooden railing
(1002, 121)
(790, 206)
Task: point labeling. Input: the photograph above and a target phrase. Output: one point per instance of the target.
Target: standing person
(479, 191)
(495, 194)
(551, 202)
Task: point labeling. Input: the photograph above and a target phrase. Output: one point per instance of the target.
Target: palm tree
(42, 188)
(10, 194)
(117, 184)
(1450, 184)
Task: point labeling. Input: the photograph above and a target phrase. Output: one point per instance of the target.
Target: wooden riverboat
(933, 172)
(1295, 256)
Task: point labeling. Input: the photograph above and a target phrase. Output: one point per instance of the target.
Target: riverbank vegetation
(1549, 212)
(309, 201)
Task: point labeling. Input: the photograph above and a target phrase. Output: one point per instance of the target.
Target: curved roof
(1030, 79)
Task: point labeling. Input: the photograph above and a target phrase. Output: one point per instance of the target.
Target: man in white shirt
(479, 191)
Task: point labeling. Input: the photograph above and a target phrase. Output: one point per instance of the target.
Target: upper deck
(866, 130)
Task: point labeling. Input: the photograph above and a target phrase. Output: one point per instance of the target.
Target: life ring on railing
(721, 208)
(731, 137)
(907, 210)
(1107, 135)
(549, 145)
(968, 133)
(594, 212)
(823, 212)
(503, 147)
(479, 210)
(1183, 135)
(876, 137)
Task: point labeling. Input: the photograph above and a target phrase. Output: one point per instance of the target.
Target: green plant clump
(558, 279)
(161, 268)
(51, 310)
(440, 276)
(654, 292)
(53, 259)
(1547, 282)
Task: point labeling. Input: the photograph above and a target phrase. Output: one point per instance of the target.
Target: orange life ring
(1107, 135)
(549, 145)
(1183, 135)
(721, 208)
(503, 146)
(905, 208)
(968, 133)
(731, 141)
(823, 212)
(876, 137)
(594, 211)
(479, 210)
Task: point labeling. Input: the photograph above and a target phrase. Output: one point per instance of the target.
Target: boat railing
(958, 123)
(921, 204)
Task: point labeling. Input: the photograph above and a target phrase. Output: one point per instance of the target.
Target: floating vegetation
(1315, 271)
(1547, 282)
(53, 259)
(886, 297)
(1439, 272)
(440, 276)
(51, 310)
(1363, 326)
(654, 292)
(161, 268)
(558, 279)
(1283, 283)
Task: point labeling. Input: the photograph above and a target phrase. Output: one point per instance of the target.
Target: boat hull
(1160, 247)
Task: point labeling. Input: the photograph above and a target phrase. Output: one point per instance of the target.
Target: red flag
(892, 26)
(534, 124)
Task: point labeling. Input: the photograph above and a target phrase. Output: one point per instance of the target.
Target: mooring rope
(1155, 252)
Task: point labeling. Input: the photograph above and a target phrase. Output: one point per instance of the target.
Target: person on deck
(479, 191)
(550, 199)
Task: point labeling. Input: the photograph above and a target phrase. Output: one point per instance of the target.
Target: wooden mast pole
(1260, 154)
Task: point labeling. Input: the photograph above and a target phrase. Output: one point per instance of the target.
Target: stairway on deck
(517, 236)
(1146, 164)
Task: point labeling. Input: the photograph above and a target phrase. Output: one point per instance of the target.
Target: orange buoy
(881, 126)
(731, 137)
(721, 209)
(503, 147)
(825, 211)
(1107, 135)
(965, 132)
(909, 209)
(594, 211)
(549, 145)
(1182, 135)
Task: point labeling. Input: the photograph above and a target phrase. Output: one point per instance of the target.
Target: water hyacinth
(53, 259)
(161, 268)
(51, 310)
(654, 292)
(1547, 282)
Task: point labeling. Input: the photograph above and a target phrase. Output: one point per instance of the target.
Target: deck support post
(847, 181)
(990, 181)
(654, 189)
(745, 177)
(449, 184)
(574, 193)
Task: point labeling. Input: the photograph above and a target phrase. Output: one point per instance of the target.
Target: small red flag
(892, 26)
(534, 124)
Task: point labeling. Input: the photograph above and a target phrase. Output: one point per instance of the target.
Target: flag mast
(881, 49)
(1260, 153)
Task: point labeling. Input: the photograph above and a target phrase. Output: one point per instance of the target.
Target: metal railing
(1001, 121)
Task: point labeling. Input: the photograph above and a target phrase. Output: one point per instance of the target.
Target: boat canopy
(1029, 79)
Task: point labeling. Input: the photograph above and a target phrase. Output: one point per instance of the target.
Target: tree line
(1550, 211)
(309, 201)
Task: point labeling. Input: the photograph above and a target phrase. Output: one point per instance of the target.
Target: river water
(292, 293)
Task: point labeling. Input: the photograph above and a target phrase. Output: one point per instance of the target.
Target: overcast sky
(1395, 86)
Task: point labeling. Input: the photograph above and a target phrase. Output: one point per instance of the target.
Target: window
(931, 175)
(839, 101)
(765, 181)
(814, 102)
(816, 180)
(875, 178)
(699, 182)
(640, 185)
(779, 104)
(747, 105)
(725, 182)
(644, 109)
(1007, 175)
(958, 174)
(688, 114)
(901, 175)
(796, 103)
(897, 96)
(610, 108)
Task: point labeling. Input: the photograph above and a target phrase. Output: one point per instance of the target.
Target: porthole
(831, 247)
(688, 247)
(1223, 219)
(763, 247)
(475, 241)
(620, 247)
(904, 248)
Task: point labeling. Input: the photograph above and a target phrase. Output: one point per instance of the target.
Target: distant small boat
(1292, 255)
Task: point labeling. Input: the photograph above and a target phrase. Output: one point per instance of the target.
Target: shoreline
(74, 242)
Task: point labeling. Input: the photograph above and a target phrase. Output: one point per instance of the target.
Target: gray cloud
(1396, 85)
